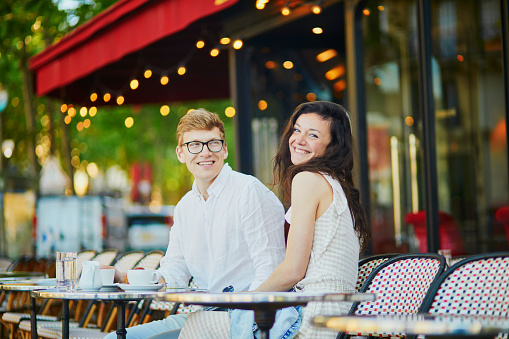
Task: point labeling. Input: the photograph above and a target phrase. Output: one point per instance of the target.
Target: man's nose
(205, 150)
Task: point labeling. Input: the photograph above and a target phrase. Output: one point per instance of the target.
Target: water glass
(66, 271)
(446, 253)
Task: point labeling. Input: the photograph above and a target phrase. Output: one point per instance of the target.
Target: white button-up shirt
(235, 237)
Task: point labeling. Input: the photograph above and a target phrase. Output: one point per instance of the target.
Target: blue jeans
(286, 325)
(154, 328)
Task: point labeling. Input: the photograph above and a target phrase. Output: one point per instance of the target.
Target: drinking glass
(66, 271)
(447, 255)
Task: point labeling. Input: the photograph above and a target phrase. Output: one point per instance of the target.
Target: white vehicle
(148, 230)
(72, 223)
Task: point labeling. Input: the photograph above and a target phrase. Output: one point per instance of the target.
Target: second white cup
(107, 275)
(143, 277)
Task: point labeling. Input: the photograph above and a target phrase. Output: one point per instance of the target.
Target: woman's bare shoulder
(309, 180)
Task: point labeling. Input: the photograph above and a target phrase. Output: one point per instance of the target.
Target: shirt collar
(218, 184)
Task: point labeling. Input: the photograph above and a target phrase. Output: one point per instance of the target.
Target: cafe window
(470, 135)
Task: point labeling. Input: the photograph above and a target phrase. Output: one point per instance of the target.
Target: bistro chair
(85, 255)
(476, 285)
(401, 283)
(106, 257)
(83, 319)
(5, 263)
(367, 265)
(149, 261)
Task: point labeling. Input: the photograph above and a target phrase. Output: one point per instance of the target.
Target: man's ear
(180, 154)
(225, 151)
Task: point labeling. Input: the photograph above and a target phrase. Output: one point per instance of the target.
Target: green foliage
(152, 139)
(29, 26)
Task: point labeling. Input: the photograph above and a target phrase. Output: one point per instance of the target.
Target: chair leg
(111, 320)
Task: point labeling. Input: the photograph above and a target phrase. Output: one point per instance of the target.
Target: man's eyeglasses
(195, 147)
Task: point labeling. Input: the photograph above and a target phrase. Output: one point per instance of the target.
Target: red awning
(126, 27)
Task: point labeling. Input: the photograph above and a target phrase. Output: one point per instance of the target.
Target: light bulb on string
(93, 96)
(182, 70)
(224, 41)
(134, 84)
(214, 52)
(106, 97)
(317, 7)
(148, 73)
(237, 44)
(200, 44)
(164, 80)
(120, 100)
(286, 10)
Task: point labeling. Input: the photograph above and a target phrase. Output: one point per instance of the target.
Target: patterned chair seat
(26, 325)
(106, 257)
(367, 265)
(127, 260)
(14, 317)
(476, 285)
(401, 284)
(182, 308)
(151, 260)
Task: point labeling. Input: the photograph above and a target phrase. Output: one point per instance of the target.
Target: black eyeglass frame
(202, 145)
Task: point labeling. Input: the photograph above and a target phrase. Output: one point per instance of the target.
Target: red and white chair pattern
(401, 284)
(476, 285)
(367, 265)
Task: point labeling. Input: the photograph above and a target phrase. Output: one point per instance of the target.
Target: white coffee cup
(143, 277)
(107, 275)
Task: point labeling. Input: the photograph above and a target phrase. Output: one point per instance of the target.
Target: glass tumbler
(66, 271)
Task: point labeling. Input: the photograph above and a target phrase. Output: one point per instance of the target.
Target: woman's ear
(180, 154)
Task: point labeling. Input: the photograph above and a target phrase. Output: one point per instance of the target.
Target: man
(228, 230)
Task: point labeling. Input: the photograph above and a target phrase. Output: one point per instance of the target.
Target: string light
(285, 10)
(120, 100)
(106, 97)
(165, 80)
(134, 84)
(182, 70)
(83, 111)
(63, 108)
(214, 52)
(147, 74)
(316, 9)
(200, 44)
(317, 30)
(237, 44)
(93, 97)
(224, 41)
(165, 110)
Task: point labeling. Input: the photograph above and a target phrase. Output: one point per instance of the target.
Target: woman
(328, 224)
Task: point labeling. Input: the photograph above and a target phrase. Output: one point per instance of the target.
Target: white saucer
(89, 289)
(150, 287)
(109, 288)
(46, 282)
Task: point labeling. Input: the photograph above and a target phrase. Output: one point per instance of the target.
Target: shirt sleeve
(173, 266)
(263, 229)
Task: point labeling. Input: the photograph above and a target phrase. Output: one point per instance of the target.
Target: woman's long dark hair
(337, 160)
